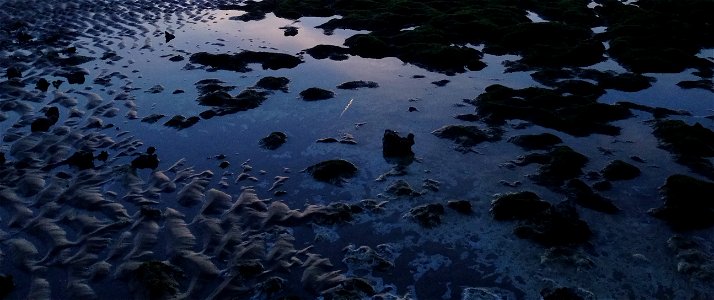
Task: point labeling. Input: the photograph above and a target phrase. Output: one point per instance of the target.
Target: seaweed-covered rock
(427, 215)
(328, 51)
(576, 115)
(620, 170)
(353, 85)
(314, 94)
(691, 144)
(583, 195)
(464, 135)
(273, 83)
(559, 164)
(687, 203)
(333, 171)
(239, 62)
(536, 141)
(559, 225)
(394, 145)
(155, 280)
(274, 140)
(460, 206)
(517, 206)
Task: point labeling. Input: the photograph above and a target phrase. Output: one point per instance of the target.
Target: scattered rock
(274, 140)
(289, 30)
(328, 51)
(402, 188)
(687, 203)
(81, 160)
(177, 58)
(561, 293)
(461, 206)
(559, 164)
(518, 206)
(153, 118)
(42, 84)
(2, 159)
(155, 280)
(693, 259)
(327, 140)
(314, 94)
(148, 160)
(559, 225)
(620, 170)
(273, 83)
(465, 136)
(441, 83)
(583, 195)
(103, 156)
(690, 144)
(353, 85)
(224, 164)
(427, 215)
(394, 145)
(7, 285)
(181, 122)
(332, 171)
(155, 89)
(239, 62)
(13, 72)
(536, 141)
(705, 84)
(168, 36)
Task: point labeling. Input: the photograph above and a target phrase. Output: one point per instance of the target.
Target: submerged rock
(516, 206)
(620, 170)
(536, 141)
(328, 51)
(274, 140)
(333, 171)
(688, 203)
(460, 206)
(559, 164)
(402, 188)
(81, 160)
(690, 144)
(148, 160)
(13, 72)
(394, 145)
(181, 122)
(466, 136)
(693, 259)
(42, 84)
(583, 195)
(427, 215)
(314, 94)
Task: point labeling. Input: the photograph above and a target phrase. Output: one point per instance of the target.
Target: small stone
(274, 140)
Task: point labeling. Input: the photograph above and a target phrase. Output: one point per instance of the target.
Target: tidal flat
(312, 149)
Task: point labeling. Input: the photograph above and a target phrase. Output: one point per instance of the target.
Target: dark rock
(239, 62)
(273, 83)
(289, 30)
(274, 140)
(224, 164)
(559, 164)
(181, 122)
(394, 145)
(687, 203)
(576, 115)
(466, 136)
(207, 86)
(81, 160)
(603, 185)
(427, 215)
(177, 58)
(333, 213)
(13, 72)
(440, 83)
(3, 160)
(518, 206)
(561, 293)
(148, 160)
(692, 145)
(103, 156)
(207, 114)
(353, 85)
(693, 258)
(168, 36)
(351, 288)
(583, 195)
(327, 140)
(178, 91)
(657, 112)
(150, 212)
(74, 75)
(57, 83)
(41, 125)
(332, 171)
(559, 225)
(536, 141)
(705, 84)
(158, 280)
(153, 118)
(468, 117)
(620, 170)
(7, 285)
(314, 94)
(328, 51)
(42, 84)
(245, 100)
(402, 188)
(412, 109)
(461, 206)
